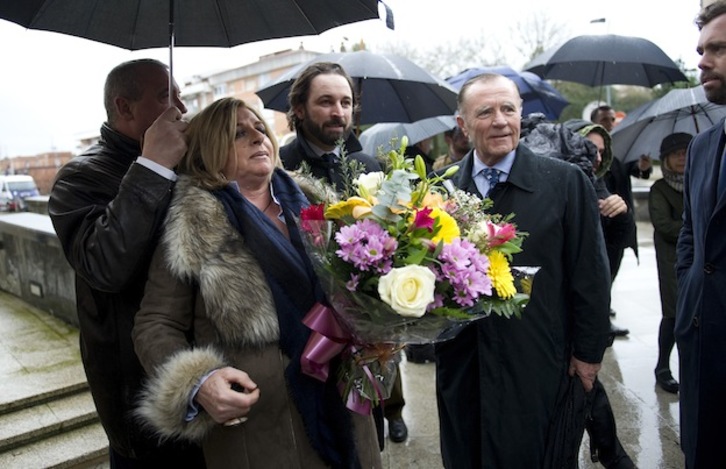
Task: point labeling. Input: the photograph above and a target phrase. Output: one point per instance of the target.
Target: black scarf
(295, 290)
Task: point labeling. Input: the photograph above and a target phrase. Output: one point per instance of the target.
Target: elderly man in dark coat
(499, 380)
(701, 268)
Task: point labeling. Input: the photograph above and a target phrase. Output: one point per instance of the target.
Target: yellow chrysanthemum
(449, 229)
(501, 276)
(354, 206)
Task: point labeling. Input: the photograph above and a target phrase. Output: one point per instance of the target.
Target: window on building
(220, 91)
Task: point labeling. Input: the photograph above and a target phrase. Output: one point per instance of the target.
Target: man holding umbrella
(617, 181)
(701, 267)
(322, 105)
(107, 207)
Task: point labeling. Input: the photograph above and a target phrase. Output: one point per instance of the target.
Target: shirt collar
(504, 165)
(320, 152)
(235, 184)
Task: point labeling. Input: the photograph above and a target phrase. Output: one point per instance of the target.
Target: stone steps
(86, 446)
(54, 428)
(26, 425)
(47, 415)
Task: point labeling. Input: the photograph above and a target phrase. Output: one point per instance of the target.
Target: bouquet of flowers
(404, 260)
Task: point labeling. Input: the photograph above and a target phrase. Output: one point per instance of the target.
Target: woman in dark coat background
(665, 205)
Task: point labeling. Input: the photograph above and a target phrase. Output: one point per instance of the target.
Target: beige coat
(204, 284)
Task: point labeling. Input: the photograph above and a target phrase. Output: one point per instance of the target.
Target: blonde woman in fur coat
(219, 330)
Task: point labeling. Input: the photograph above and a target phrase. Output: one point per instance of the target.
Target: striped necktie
(492, 176)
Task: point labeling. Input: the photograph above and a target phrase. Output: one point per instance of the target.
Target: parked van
(14, 189)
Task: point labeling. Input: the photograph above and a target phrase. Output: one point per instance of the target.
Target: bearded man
(322, 106)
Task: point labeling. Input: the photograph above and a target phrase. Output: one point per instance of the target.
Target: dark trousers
(393, 406)
(390, 408)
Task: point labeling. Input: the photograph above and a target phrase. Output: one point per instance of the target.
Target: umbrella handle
(171, 52)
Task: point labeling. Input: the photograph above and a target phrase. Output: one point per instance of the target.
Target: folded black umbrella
(568, 427)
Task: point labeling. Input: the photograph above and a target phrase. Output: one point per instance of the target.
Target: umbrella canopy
(144, 24)
(387, 136)
(537, 95)
(607, 60)
(391, 88)
(680, 110)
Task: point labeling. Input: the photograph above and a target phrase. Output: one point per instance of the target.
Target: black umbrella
(567, 427)
(144, 24)
(537, 94)
(607, 60)
(680, 110)
(391, 88)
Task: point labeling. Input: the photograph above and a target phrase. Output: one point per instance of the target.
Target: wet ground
(647, 417)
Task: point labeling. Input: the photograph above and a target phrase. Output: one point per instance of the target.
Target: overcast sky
(51, 85)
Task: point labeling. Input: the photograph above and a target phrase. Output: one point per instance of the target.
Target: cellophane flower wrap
(403, 260)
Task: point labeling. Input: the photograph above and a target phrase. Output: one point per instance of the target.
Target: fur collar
(201, 246)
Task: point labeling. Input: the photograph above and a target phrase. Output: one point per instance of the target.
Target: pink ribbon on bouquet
(356, 402)
(327, 340)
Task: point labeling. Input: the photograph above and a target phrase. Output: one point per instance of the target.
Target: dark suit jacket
(498, 381)
(298, 151)
(701, 310)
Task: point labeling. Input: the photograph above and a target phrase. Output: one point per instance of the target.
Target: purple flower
(465, 268)
(352, 284)
(366, 245)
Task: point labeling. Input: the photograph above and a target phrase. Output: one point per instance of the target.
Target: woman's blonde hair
(211, 136)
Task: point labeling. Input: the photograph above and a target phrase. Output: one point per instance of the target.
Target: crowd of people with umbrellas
(395, 98)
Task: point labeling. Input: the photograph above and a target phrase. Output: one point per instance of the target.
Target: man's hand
(644, 163)
(586, 371)
(164, 142)
(612, 206)
(221, 401)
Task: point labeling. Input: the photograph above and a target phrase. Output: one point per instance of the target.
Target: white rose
(371, 182)
(408, 290)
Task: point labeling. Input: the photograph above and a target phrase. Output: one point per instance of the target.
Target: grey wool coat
(205, 288)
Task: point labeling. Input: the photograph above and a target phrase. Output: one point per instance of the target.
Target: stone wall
(37, 204)
(33, 267)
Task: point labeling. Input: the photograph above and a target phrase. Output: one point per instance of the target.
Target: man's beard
(323, 135)
(715, 95)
